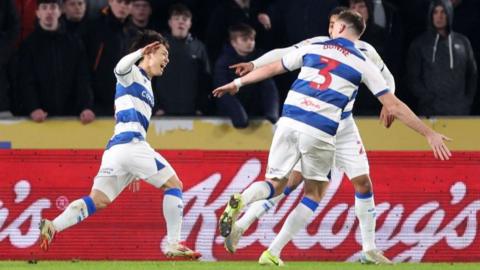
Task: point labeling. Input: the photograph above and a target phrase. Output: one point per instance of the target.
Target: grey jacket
(442, 73)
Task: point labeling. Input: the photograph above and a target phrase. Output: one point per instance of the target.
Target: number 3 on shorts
(326, 65)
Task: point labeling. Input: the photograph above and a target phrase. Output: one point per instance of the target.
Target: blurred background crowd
(57, 57)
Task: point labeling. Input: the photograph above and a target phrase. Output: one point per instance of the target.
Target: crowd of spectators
(57, 56)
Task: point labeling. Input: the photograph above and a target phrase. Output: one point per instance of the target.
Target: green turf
(129, 265)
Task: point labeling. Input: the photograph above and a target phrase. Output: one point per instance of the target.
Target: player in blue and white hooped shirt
(128, 157)
(350, 155)
(330, 75)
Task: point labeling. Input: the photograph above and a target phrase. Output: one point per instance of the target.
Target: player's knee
(362, 184)
(173, 182)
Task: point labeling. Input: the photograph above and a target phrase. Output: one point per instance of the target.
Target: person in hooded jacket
(185, 86)
(441, 68)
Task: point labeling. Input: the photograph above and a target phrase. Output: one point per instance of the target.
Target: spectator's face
(361, 8)
(332, 20)
(158, 61)
(244, 44)
(120, 8)
(180, 25)
(48, 15)
(439, 18)
(74, 9)
(141, 11)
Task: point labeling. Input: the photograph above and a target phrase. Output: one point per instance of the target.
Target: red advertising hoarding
(427, 210)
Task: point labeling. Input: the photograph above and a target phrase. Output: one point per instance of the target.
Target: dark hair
(39, 2)
(354, 19)
(369, 4)
(240, 30)
(179, 9)
(337, 11)
(145, 37)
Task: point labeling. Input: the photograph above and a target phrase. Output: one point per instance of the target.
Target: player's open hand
(151, 48)
(230, 88)
(437, 142)
(242, 68)
(386, 118)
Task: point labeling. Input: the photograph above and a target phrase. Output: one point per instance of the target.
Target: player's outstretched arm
(404, 114)
(267, 58)
(257, 75)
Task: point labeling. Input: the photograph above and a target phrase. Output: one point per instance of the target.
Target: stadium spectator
(442, 72)
(107, 39)
(9, 30)
(260, 99)
(140, 13)
(54, 77)
(233, 12)
(184, 87)
(74, 16)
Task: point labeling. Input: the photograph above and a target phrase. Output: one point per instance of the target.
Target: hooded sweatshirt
(442, 72)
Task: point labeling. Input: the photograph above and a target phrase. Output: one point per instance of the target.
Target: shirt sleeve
(294, 59)
(377, 60)
(123, 70)
(373, 79)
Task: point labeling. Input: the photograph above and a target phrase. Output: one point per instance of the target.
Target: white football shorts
(350, 155)
(124, 163)
(290, 146)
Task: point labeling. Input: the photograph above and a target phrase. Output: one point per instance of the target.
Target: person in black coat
(185, 85)
(140, 15)
(106, 40)
(260, 99)
(229, 13)
(74, 16)
(53, 77)
(442, 72)
(9, 30)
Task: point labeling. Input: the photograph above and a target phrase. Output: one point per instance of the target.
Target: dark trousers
(258, 100)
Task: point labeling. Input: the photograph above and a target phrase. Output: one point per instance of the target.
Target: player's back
(134, 102)
(330, 75)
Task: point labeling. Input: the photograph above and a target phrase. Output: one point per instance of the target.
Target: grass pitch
(155, 265)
